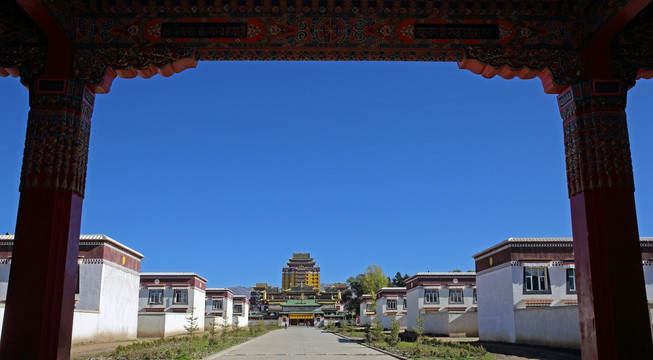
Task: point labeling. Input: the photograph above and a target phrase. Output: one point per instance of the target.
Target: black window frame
(547, 278)
(149, 297)
(437, 296)
(569, 290)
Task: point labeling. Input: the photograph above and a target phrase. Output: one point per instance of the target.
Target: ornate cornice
(562, 65)
(130, 38)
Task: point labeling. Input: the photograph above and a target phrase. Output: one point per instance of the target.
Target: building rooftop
(172, 274)
(537, 241)
(450, 273)
(90, 238)
(218, 290)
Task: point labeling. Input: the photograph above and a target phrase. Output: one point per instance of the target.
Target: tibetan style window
(455, 296)
(536, 280)
(180, 297)
(475, 296)
(368, 307)
(405, 306)
(217, 304)
(391, 304)
(571, 281)
(238, 309)
(155, 297)
(431, 296)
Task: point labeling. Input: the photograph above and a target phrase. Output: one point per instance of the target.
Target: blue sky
(227, 169)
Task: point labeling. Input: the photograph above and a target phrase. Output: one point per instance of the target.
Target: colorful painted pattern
(534, 37)
(597, 149)
(58, 130)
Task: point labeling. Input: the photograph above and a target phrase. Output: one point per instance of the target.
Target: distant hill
(241, 290)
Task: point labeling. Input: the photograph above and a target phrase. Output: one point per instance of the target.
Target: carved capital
(58, 130)
(597, 149)
(92, 64)
(563, 65)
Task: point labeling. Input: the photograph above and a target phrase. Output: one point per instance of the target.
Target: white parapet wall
(451, 323)
(548, 326)
(151, 325)
(162, 324)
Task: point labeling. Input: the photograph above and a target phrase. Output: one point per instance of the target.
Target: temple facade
(301, 271)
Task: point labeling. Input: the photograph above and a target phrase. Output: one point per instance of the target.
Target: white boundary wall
(549, 326)
(162, 324)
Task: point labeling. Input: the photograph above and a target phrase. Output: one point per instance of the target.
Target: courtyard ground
(307, 342)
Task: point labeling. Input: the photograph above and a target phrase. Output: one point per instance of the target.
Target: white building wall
(496, 317)
(415, 300)
(196, 299)
(90, 286)
(175, 322)
(549, 326)
(220, 320)
(151, 324)
(241, 320)
(442, 321)
(118, 314)
(86, 326)
(648, 279)
(366, 318)
(100, 314)
(5, 265)
(384, 318)
(169, 322)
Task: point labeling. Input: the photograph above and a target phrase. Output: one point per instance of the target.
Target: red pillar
(39, 310)
(613, 311)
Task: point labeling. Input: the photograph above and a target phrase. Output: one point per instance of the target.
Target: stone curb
(223, 352)
(372, 347)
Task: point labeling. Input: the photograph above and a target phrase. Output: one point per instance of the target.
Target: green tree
(356, 288)
(374, 333)
(191, 329)
(368, 282)
(393, 338)
(399, 280)
(419, 330)
(372, 281)
(213, 331)
(225, 325)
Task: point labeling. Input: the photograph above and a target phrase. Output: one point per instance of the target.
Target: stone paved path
(296, 343)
